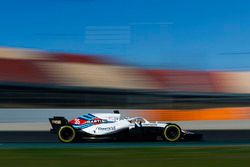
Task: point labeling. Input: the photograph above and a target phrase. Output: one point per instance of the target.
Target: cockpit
(137, 120)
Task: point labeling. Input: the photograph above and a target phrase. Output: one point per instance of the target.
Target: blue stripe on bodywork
(91, 115)
(87, 117)
(82, 126)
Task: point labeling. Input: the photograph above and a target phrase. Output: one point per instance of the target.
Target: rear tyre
(172, 133)
(66, 134)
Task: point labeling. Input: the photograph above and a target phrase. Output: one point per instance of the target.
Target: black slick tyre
(66, 134)
(172, 133)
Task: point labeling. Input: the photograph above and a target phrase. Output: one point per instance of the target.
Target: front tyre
(172, 133)
(66, 134)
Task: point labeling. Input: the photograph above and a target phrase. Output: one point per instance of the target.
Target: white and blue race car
(110, 126)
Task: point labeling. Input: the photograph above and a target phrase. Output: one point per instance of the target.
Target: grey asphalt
(44, 139)
(47, 137)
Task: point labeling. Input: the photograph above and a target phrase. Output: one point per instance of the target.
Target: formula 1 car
(110, 126)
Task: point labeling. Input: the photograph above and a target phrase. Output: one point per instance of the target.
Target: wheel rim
(66, 134)
(172, 133)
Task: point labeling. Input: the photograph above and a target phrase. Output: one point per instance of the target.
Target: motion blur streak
(27, 66)
(69, 70)
(241, 113)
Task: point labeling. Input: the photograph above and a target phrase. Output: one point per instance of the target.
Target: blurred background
(165, 60)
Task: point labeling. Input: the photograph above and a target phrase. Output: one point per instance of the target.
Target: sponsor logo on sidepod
(106, 128)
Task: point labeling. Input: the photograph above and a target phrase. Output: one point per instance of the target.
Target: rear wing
(57, 123)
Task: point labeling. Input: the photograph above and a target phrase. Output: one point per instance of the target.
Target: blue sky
(170, 34)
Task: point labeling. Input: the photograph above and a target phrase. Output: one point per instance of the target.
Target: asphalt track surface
(44, 139)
